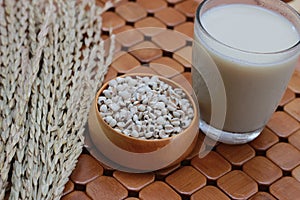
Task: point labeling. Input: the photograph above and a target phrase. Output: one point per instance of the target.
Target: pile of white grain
(145, 107)
(51, 64)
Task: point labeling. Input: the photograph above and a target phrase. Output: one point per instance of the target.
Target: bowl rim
(164, 79)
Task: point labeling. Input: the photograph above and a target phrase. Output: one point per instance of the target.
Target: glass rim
(291, 48)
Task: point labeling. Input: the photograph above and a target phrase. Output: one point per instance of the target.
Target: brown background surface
(266, 168)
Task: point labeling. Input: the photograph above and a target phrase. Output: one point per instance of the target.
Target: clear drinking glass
(238, 90)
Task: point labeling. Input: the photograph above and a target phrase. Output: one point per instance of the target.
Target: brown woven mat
(267, 168)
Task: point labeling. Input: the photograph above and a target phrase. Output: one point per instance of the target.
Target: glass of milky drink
(244, 54)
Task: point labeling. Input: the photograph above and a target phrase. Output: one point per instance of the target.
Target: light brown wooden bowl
(127, 150)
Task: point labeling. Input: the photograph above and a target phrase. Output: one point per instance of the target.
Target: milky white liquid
(250, 28)
(254, 82)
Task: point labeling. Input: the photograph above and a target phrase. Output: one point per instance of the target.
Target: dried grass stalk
(15, 88)
(52, 63)
(37, 34)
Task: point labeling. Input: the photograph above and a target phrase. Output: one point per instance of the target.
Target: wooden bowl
(137, 154)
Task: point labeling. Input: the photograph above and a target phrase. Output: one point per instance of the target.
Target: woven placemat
(266, 168)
